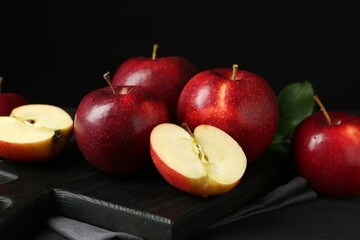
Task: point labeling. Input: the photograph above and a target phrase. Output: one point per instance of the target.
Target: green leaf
(295, 103)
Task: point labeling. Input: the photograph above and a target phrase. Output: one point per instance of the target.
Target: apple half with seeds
(34, 133)
(206, 162)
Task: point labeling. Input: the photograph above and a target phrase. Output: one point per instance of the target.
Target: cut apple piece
(34, 133)
(206, 162)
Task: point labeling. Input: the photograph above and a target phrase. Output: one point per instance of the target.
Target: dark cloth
(294, 192)
(75, 230)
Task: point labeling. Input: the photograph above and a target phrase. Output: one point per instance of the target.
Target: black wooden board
(146, 205)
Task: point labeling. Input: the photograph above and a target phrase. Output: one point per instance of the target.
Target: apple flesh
(328, 155)
(207, 162)
(34, 133)
(239, 102)
(113, 125)
(166, 76)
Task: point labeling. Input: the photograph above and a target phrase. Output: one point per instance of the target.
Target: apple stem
(323, 109)
(235, 69)
(1, 80)
(155, 48)
(187, 129)
(108, 80)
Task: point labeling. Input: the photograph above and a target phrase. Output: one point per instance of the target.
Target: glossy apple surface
(9, 101)
(328, 156)
(113, 130)
(34, 133)
(243, 105)
(166, 76)
(207, 162)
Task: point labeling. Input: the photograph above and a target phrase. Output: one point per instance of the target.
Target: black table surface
(323, 218)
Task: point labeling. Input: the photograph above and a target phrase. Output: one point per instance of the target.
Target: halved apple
(206, 162)
(34, 133)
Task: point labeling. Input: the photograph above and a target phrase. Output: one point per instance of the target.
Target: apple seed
(200, 152)
(30, 121)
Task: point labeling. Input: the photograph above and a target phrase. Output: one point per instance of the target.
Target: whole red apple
(326, 150)
(237, 101)
(9, 101)
(165, 75)
(112, 127)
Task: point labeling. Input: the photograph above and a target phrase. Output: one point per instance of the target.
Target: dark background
(57, 51)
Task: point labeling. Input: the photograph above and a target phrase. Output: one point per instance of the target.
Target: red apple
(206, 162)
(9, 101)
(326, 150)
(165, 75)
(113, 125)
(237, 101)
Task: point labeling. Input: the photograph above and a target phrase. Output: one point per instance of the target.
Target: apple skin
(164, 75)
(189, 185)
(246, 108)
(328, 156)
(36, 152)
(27, 152)
(113, 130)
(9, 101)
